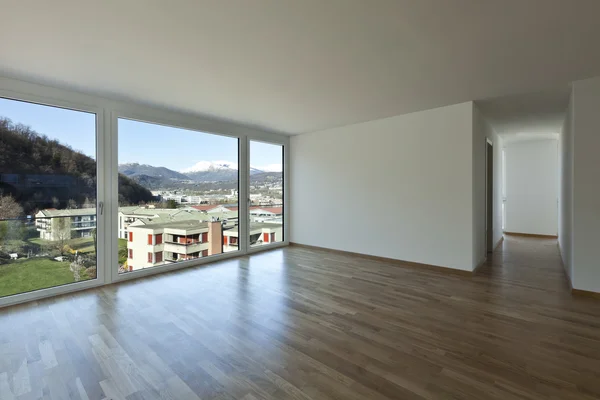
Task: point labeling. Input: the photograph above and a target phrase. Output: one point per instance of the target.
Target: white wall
(482, 131)
(532, 187)
(586, 185)
(399, 187)
(565, 207)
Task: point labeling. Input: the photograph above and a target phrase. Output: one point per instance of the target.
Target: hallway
(297, 323)
(527, 263)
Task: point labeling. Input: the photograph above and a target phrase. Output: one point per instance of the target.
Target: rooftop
(152, 214)
(183, 225)
(75, 212)
(254, 226)
(274, 210)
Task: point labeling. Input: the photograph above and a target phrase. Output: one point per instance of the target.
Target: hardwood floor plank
(308, 324)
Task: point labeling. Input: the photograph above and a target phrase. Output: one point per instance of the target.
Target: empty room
(299, 199)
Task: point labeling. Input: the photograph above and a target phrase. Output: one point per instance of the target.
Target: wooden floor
(303, 324)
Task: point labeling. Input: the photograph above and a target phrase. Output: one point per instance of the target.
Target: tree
(62, 233)
(71, 204)
(89, 203)
(9, 208)
(10, 229)
(171, 204)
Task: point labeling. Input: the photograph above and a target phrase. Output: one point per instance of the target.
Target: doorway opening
(489, 196)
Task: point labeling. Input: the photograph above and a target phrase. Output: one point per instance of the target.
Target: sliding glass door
(48, 196)
(266, 194)
(177, 195)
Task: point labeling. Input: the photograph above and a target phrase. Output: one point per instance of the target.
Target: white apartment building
(150, 245)
(52, 223)
(149, 214)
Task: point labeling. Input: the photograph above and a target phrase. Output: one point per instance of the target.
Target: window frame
(108, 111)
(286, 207)
(43, 95)
(135, 112)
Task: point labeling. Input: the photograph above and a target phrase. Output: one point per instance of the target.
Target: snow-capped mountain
(269, 168)
(224, 165)
(213, 171)
(202, 166)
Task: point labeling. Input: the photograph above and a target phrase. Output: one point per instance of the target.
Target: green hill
(40, 172)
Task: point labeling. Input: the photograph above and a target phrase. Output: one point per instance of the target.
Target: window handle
(101, 204)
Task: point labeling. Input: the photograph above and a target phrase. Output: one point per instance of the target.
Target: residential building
(260, 234)
(51, 224)
(150, 245)
(148, 214)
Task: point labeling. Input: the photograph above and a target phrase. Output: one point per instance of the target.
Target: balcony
(181, 257)
(188, 243)
(186, 248)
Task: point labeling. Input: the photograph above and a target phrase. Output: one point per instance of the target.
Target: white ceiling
(527, 116)
(296, 66)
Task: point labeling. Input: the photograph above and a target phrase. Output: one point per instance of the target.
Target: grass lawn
(38, 241)
(26, 275)
(83, 245)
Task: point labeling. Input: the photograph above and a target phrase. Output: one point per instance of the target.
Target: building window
(159, 238)
(131, 236)
(131, 254)
(158, 256)
(150, 257)
(204, 253)
(150, 241)
(204, 237)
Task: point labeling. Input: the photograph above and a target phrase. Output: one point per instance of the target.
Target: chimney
(215, 237)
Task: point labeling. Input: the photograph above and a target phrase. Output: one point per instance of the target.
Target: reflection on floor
(302, 324)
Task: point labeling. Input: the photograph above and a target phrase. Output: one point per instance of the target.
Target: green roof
(254, 226)
(183, 225)
(76, 212)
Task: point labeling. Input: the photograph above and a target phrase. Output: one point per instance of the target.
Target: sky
(139, 142)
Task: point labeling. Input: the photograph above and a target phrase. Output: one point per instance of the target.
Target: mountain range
(203, 171)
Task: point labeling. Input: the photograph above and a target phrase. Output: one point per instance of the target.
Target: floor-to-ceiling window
(266, 194)
(48, 195)
(85, 180)
(177, 195)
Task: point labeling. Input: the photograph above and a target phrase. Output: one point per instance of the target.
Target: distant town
(187, 218)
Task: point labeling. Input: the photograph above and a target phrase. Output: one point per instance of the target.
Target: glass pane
(47, 197)
(178, 195)
(266, 193)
